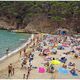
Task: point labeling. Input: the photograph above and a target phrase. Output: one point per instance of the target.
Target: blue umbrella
(63, 70)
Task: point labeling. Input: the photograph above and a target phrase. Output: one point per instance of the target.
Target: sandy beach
(37, 62)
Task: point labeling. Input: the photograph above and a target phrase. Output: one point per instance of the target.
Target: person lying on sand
(71, 64)
(73, 71)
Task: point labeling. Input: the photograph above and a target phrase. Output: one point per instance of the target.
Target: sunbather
(73, 72)
(71, 64)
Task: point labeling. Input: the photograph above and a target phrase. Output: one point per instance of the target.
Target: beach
(13, 56)
(38, 61)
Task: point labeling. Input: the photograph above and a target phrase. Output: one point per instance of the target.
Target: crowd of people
(48, 45)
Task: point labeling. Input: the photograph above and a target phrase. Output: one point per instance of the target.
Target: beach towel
(63, 70)
(41, 70)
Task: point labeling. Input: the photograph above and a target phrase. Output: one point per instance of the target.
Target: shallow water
(11, 40)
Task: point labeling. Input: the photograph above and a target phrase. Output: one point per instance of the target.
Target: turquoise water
(11, 40)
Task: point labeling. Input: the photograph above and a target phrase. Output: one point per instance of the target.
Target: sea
(11, 40)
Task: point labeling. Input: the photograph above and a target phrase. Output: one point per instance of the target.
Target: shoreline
(13, 55)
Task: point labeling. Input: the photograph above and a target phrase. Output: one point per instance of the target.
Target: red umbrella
(65, 44)
(46, 51)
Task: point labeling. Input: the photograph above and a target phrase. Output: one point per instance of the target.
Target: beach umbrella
(48, 57)
(53, 50)
(63, 70)
(46, 51)
(55, 62)
(65, 45)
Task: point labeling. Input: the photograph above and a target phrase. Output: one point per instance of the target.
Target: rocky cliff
(43, 24)
(40, 16)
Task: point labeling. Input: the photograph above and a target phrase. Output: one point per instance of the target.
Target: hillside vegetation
(40, 16)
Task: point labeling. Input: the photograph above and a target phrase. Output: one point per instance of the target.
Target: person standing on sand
(13, 71)
(10, 70)
(31, 58)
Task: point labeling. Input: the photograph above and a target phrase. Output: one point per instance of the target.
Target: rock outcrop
(43, 24)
